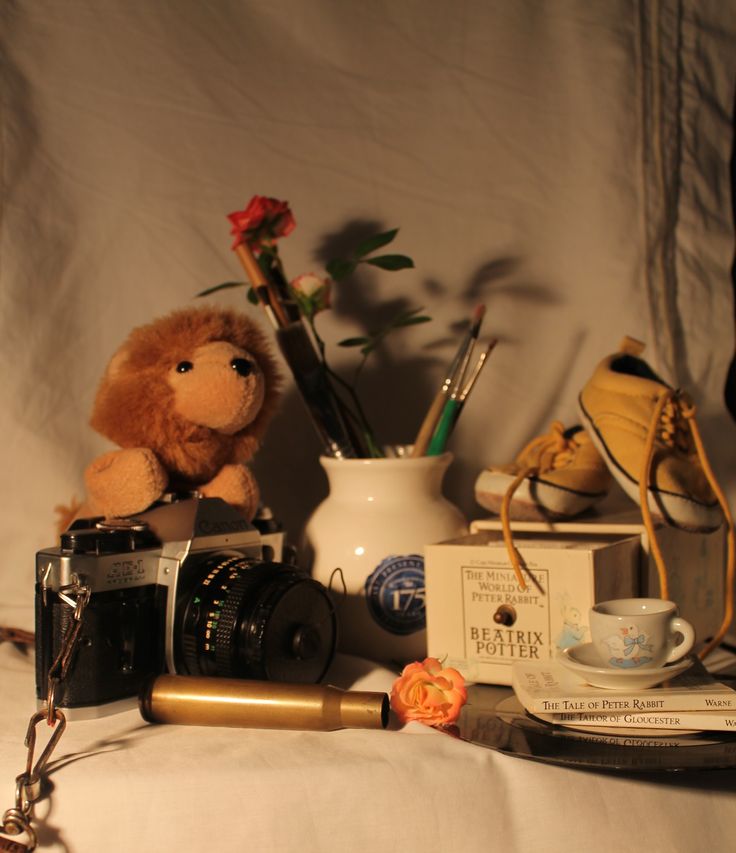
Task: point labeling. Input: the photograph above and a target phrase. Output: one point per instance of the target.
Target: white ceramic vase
(373, 526)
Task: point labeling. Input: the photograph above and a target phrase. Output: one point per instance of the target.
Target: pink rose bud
(429, 694)
(312, 291)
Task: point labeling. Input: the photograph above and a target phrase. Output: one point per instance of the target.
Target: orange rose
(429, 694)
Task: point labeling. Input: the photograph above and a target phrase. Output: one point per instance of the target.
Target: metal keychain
(17, 820)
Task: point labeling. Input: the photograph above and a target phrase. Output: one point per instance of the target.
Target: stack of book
(693, 701)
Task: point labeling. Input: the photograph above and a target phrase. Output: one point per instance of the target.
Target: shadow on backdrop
(395, 391)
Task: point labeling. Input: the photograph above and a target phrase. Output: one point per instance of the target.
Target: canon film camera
(187, 588)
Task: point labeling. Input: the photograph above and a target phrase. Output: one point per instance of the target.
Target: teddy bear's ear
(117, 363)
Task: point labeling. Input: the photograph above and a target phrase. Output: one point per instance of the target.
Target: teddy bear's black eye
(184, 367)
(242, 366)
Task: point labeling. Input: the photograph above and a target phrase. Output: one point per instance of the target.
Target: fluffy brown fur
(134, 402)
(227, 400)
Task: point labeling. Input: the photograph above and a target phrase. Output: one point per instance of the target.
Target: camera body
(188, 587)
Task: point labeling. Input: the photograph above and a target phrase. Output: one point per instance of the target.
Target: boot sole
(536, 500)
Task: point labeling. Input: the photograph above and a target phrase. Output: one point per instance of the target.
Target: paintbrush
(456, 370)
(318, 394)
(306, 366)
(454, 404)
(259, 282)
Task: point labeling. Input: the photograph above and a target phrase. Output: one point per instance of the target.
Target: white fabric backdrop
(566, 163)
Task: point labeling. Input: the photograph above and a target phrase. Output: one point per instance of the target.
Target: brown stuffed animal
(188, 398)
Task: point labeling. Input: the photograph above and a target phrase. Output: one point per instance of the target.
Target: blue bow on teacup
(632, 642)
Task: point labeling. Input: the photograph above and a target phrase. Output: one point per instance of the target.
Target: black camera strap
(28, 788)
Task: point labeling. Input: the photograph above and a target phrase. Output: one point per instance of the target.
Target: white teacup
(639, 633)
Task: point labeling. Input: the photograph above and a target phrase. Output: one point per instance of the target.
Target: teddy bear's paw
(124, 482)
(235, 485)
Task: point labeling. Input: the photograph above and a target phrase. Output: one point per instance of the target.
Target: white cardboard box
(470, 580)
(695, 561)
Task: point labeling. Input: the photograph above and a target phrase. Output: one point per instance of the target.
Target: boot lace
(548, 452)
(673, 423)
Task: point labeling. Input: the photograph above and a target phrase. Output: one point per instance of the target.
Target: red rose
(262, 222)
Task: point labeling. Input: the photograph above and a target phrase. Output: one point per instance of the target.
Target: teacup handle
(677, 624)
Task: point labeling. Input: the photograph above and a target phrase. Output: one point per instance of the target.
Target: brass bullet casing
(240, 703)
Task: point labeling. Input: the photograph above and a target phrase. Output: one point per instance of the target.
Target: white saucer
(583, 660)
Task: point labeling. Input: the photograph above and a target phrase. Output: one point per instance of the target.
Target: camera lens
(247, 619)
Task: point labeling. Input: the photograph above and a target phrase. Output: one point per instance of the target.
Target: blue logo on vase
(394, 593)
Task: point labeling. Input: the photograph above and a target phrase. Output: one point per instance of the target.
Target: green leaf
(411, 321)
(402, 315)
(375, 242)
(407, 318)
(223, 286)
(390, 262)
(252, 296)
(354, 342)
(339, 269)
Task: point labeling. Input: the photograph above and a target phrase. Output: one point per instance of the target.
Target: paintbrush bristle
(478, 314)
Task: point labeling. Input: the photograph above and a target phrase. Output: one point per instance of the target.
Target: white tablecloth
(120, 784)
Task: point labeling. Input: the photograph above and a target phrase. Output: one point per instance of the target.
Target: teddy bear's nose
(242, 366)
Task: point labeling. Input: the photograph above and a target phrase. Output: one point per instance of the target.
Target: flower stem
(358, 416)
